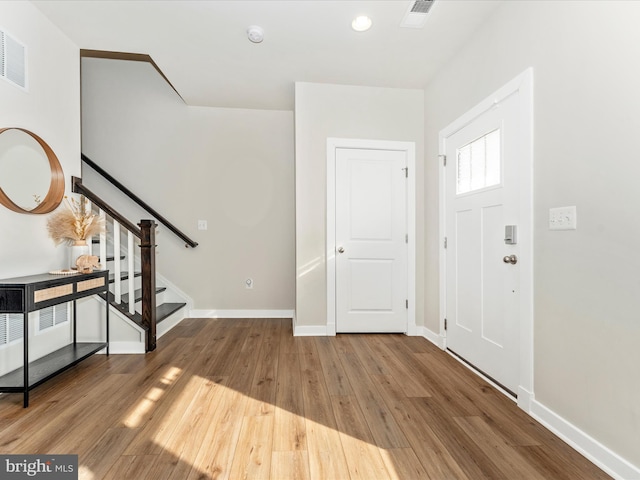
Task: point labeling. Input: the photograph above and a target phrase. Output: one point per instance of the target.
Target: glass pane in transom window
(479, 163)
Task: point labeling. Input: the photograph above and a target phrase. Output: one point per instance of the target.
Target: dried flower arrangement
(75, 223)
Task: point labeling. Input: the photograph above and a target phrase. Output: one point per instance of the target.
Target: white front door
(482, 184)
(371, 240)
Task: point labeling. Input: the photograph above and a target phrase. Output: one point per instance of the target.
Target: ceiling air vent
(12, 60)
(416, 15)
(421, 6)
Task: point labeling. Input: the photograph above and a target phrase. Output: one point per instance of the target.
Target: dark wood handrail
(78, 187)
(139, 201)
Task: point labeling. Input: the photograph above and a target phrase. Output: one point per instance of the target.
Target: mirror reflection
(31, 177)
(24, 169)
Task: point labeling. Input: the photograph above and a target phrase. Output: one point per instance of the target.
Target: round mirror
(31, 177)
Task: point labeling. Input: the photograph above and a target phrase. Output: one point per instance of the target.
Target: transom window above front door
(478, 163)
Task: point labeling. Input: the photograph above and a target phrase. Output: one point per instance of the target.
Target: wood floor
(245, 399)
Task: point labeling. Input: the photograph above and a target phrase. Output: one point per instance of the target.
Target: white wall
(231, 167)
(50, 107)
(341, 111)
(586, 122)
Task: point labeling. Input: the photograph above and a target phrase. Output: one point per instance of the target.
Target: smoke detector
(255, 34)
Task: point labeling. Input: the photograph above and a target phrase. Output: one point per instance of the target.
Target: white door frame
(523, 85)
(410, 149)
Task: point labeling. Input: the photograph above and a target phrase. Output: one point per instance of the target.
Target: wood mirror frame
(56, 187)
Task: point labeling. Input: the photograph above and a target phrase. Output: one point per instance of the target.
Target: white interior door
(482, 274)
(371, 240)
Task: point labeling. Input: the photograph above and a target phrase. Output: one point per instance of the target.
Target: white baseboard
(412, 330)
(331, 330)
(607, 460)
(310, 331)
(241, 313)
(525, 399)
(430, 335)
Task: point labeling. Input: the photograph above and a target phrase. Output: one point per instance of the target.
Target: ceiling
(202, 46)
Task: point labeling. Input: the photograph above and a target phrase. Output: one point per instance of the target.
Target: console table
(27, 294)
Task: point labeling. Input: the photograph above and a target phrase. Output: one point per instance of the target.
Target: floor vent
(12, 60)
(416, 15)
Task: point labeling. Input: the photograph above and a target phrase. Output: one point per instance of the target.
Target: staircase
(164, 310)
(145, 309)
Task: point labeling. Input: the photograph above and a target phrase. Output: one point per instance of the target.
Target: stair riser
(170, 322)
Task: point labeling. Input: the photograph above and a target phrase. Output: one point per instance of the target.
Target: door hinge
(445, 323)
(406, 172)
(444, 160)
(445, 242)
(406, 303)
(406, 238)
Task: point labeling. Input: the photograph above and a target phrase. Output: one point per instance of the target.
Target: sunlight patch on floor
(134, 419)
(389, 462)
(214, 428)
(183, 437)
(85, 473)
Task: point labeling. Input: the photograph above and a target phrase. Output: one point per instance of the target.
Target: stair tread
(166, 310)
(138, 294)
(123, 276)
(163, 310)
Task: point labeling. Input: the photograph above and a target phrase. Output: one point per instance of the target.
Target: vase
(78, 248)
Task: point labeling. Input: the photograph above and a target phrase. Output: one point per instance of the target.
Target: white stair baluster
(116, 263)
(103, 243)
(130, 261)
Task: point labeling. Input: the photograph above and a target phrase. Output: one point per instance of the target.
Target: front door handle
(512, 259)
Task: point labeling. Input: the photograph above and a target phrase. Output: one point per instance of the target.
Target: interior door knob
(512, 259)
(340, 249)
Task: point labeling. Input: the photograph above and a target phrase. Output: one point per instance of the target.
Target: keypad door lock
(510, 234)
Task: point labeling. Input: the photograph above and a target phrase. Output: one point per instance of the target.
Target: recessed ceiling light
(361, 23)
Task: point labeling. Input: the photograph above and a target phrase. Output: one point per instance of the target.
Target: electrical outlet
(202, 224)
(248, 283)
(563, 218)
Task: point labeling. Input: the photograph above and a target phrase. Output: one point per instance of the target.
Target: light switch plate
(202, 224)
(563, 218)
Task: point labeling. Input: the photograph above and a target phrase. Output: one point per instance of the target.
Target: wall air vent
(52, 316)
(1, 53)
(12, 60)
(416, 15)
(10, 327)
